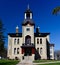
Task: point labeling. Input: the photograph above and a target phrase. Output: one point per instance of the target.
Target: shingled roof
(15, 34)
(41, 34)
(28, 21)
(35, 34)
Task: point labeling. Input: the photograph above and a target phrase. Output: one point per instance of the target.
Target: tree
(56, 10)
(2, 39)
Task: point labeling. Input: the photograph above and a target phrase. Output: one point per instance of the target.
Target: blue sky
(12, 14)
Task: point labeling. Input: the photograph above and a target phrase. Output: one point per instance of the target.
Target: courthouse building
(29, 44)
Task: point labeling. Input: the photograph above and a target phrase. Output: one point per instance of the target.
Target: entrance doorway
(28, 52)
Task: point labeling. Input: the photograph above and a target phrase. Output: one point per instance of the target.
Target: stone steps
(26, 61)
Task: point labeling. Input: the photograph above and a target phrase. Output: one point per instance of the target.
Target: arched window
(28, 40)
(17, 50)
(37, 40)
(17, 41)
(40, 50)
(14, 50)
(14, 41)
(40, 41)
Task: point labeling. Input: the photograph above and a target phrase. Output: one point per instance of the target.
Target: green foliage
(8, 62)
(56, 10)
(2, 38)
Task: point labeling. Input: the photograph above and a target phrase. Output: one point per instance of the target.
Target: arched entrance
(28, 40)
(28, 48)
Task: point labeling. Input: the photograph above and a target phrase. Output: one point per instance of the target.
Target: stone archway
(28, 40)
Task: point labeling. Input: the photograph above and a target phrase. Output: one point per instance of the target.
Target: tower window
(37, 41)
(28, 29)
(40, 41)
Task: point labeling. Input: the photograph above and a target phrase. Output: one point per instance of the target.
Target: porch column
(22, 51)
(33, 50)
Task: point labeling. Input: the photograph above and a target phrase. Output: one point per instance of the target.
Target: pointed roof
(28, 9)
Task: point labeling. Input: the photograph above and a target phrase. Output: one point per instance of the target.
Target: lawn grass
(8, 62)
(50, 64)
(38, 61)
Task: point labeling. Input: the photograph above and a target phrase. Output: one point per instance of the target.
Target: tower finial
(28, 6)
(17, 29)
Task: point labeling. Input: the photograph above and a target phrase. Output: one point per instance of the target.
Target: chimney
(17, 29)
(37, 30)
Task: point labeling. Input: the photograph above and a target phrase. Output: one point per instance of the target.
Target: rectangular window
(50, 56)
(40, 41)
(50, 47)
(50, 51)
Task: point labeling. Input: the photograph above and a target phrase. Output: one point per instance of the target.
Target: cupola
(28, 13)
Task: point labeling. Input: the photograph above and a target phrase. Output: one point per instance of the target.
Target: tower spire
(28, 7)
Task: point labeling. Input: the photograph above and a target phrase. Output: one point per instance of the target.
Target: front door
(28, 52)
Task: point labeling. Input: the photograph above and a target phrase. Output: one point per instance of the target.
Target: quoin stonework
(29, 44)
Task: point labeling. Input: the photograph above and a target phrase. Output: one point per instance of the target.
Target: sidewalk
(46, 62)
(29, 62)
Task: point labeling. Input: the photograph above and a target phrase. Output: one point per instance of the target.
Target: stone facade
(29, 44)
